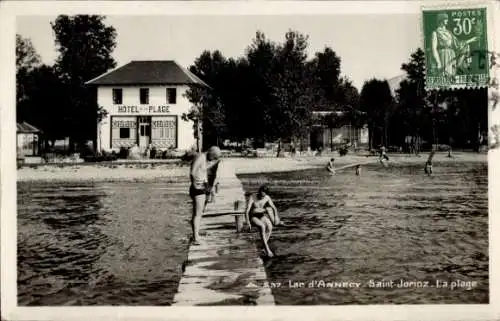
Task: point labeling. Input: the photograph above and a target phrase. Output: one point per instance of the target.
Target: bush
(343, 151)
(111, 156)
(49, 157)
(188, 156)
(443, 147)
(169, 153)
(123, 153)
(101, 157)
(92, 158)
(84, 150)
(152, 153)
(250, 153)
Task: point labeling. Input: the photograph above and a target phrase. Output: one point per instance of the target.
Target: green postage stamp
(456, 47)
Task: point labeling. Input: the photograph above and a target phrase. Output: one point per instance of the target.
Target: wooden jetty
(227, 268)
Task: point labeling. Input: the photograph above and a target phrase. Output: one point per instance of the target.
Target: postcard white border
(8, 11)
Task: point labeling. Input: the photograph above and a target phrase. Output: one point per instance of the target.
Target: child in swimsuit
(428, 168)
(262, 213)
(383, 156)
(330, 167)
(428, 164)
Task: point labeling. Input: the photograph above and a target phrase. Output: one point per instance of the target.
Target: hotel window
(124, 132)
(144, 96)
(117, 96)
(171, 95)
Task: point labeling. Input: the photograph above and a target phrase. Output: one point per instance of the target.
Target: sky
(368, 45)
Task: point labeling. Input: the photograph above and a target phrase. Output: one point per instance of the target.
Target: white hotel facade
(145, 101)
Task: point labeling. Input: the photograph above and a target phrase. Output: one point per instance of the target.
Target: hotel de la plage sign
(145, 109)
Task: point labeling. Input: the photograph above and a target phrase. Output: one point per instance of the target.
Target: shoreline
(147, 171)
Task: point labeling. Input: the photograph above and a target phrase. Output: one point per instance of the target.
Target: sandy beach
(146, 172)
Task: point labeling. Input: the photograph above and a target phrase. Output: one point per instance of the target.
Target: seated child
(262, 213)
(358, 170)
(330, 167)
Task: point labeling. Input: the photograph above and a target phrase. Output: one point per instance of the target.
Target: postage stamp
(456, 47)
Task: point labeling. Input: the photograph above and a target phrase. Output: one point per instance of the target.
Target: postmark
(455, 42)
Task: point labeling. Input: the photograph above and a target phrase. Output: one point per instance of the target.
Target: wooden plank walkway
(226, 269)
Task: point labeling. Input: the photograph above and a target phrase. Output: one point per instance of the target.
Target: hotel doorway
(144, 130)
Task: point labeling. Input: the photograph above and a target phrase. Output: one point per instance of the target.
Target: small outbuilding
(28, 140)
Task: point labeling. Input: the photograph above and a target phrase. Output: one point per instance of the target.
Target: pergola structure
(340, 123)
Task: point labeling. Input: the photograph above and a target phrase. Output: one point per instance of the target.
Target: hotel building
(144, 101)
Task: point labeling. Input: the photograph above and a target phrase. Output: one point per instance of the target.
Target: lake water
(387, 224)
(101, 244)
(124, 243)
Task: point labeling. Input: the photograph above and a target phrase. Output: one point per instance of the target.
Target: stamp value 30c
(456, 47)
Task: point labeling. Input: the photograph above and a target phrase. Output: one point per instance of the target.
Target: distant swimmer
(330, 166)
(428, 163)
(383, 156)
(428, 168)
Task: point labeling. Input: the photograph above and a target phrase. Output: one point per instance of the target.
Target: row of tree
(454, 117)
(54, 97)
(269, 94)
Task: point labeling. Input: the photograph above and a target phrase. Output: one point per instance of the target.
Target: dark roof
(26, 128)
(148, 72)
(339, 111)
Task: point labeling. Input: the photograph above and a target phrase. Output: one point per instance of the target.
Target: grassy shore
(176, 171)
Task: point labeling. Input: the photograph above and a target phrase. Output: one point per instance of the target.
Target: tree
(432, 114)
(40, 93)
(416, 106)
(347, 94)
(26, 56)
(451, 116)
(269, 94)
(236, 100)
(260, 57)
(376, 100)
(45, 106)
(324, 71)
(290, 115)
(467, 116)
(207, 111)
(85, 45)
(26, 60)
